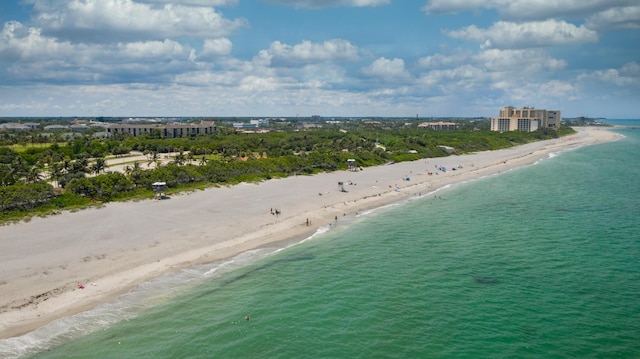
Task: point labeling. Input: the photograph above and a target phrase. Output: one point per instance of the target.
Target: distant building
(12, 126)
(172, 130)
(32, 125)
(438, 125)
(525, 119)
(79, 127)
(55, 128)
(252, 124)
(101, 134)
(262, 122)
(244, 125)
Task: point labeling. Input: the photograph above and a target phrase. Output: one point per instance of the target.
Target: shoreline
(111, 250)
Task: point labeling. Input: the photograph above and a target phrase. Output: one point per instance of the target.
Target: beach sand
(110, 250)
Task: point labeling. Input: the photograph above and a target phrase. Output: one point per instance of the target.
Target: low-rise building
(12, 126)
(32, 125)
(440, 125)
(167, 131)
(56, 128)
(79, 127)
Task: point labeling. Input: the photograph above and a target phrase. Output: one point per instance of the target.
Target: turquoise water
(539, 262)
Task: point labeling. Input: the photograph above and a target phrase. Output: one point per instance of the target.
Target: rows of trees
(28, 176)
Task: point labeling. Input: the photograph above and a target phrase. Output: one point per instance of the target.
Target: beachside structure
(351, 163)
(525, 119)
(171, 130)
(159, 190)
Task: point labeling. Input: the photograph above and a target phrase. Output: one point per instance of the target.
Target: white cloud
(19, 42)
(465, 77)
(617, 18)
(550, 94)
(207, 3)
(307, 52)
(108, 20)
(505, 34)
(135, 57)
(627, 76)
(315, 4)
(556, 89)
(152, 49)
(493, 77)
(213, 48)
(439, 60)
(519, 61)
(455, 6)
(37, 57)
(527, 9)
(389, 70)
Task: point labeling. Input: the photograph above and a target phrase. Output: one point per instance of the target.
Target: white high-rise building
(525, 119)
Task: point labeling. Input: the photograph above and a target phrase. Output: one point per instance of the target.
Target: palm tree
(179, 159)
(7, 174)
(81, 164)
(66, 164)
(55, 172)
(154, 158)
(18, 169)
(99, 165)
(33, 175)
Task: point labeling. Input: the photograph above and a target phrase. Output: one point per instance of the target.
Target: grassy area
(25, 147)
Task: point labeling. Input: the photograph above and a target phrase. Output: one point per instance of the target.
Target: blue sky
(356, 58)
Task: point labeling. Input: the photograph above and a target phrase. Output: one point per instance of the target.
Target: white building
(525, 119)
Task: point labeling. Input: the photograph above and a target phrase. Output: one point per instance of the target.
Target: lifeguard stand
(159, 189)
(351, 163)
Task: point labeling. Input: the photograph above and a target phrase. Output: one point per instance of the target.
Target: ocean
(539, 262)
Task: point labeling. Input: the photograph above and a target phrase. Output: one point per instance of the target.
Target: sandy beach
(67, 263)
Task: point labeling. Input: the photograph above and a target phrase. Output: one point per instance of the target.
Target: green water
(539, 262)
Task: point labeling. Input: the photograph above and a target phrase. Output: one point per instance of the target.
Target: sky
(332, 58)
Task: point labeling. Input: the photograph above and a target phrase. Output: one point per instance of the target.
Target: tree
(24, 196)
(81, 164)
(99, 165)
(154, 158)
(55, 172)
(33, 175)
(179, 159)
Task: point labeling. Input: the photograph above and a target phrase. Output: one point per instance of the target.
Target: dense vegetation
(40, 174)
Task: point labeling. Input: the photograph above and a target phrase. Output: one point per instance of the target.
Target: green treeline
(28, 174)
